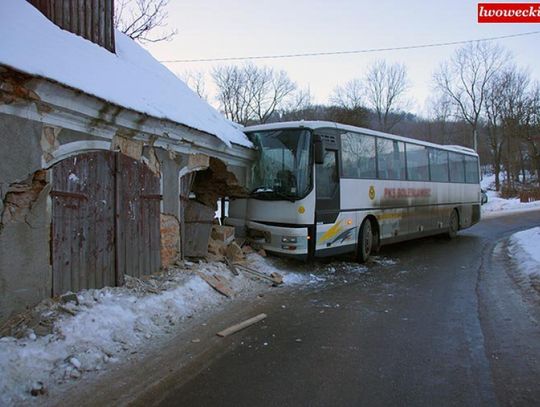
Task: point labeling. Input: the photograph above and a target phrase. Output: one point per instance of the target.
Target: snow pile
(525, 250)
(276, 265)
(93, 329)
(131, 78)
(109, 324)
(496, 205)
(302, 273)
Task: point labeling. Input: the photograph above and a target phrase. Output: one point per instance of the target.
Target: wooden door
(105, 221)
(138, 203)
(83, 238)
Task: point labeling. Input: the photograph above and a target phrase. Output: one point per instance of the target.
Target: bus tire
(376, 247)
(365, 241)
(453, 224)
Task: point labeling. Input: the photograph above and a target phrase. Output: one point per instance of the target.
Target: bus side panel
(337, 237)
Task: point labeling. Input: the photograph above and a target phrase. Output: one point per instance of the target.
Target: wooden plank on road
(242, 325)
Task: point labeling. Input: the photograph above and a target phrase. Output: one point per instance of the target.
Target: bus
(322, 189)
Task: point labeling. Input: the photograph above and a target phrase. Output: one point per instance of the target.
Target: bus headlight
(288, 239)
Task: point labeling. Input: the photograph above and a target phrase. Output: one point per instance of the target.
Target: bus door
(327, 205)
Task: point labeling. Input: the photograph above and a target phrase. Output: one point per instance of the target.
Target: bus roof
(314, 125)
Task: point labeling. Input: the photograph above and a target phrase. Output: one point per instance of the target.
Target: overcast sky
(217, 28)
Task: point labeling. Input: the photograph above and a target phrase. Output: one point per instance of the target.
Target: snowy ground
(497, 206)
(109, 325)
(524, 248)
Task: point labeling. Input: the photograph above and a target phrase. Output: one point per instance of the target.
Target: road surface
(446, 323)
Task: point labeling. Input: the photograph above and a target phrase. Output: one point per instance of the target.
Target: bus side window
(471, 170)
(417, 163)
(391, 160)
(327, 178)
(457, 167)
(438, 164)
(358, 154)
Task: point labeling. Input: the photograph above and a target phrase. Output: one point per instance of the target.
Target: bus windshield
(282, 169)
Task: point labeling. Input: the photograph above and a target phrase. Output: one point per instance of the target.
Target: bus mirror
(318, 150)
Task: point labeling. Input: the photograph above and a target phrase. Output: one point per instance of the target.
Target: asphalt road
(445, 323)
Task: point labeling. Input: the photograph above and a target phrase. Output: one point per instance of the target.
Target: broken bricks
(223, 233)
(217, 247)
(275, 278)
(234, 252)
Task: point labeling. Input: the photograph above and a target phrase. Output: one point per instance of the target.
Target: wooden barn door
(138, 197)
(83, 207)
(105, 221)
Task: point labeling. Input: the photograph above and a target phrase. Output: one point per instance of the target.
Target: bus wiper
(261, 189)
(269, 191)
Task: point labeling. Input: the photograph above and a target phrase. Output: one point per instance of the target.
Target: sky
(215, 29)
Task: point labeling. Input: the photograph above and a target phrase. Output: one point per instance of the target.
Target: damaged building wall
(215, 182)
(25, 274)
(169, 164)
(210, 184)
(31, 149)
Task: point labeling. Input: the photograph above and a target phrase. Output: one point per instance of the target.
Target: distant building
(99, 145)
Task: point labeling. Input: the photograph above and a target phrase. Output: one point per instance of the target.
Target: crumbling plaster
(25, 276)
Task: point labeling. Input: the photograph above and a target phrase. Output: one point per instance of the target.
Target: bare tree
(197, 83)
(350, 95)
(143, 20)
(495, 132)
(532, 136)
(441, 119)
(248, 94)
(298, 105)
(232, 93)
(509, 108)
(463, 79)
(385, 92)
(514, 110)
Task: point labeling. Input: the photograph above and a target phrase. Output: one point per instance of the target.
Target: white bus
(321, 189)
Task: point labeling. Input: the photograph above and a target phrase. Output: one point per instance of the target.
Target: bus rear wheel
(453, 224)
(365, 241)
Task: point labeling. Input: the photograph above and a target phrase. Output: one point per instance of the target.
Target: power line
(361, 51)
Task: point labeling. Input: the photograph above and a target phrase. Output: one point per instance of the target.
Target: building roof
(131, 78)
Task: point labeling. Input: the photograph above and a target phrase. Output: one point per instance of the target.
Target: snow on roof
(131, 78)
(320, 124)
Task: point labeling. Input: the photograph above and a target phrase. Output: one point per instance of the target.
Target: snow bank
(497, 206)
(111, 323)
(131, 78)
(525, 250)
(108, 324)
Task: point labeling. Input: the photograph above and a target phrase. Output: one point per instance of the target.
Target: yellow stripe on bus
(332, 232)
(386, 216)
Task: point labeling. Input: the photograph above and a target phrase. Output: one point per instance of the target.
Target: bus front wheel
(365, 241)
(453, 224)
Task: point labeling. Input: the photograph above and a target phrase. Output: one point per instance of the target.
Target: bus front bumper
(284, 241)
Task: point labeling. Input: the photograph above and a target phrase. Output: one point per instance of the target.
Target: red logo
(407, 192)
(509, 12)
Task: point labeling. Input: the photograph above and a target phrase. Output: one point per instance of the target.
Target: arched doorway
(105, 221)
